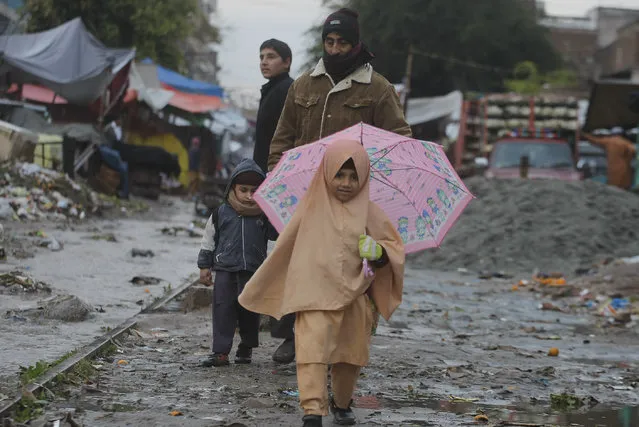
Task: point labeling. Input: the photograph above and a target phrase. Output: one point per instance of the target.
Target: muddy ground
(457, 346)
(92, 267)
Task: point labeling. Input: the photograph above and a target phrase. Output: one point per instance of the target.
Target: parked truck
(496, 128)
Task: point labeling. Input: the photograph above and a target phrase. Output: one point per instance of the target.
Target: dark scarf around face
(340, 66)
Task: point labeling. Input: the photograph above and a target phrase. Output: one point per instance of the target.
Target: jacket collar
(274, 81)
(363, 74)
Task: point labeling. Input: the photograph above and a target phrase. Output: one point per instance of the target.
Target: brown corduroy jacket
(316, 107)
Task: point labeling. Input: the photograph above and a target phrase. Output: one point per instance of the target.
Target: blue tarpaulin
(184, 84)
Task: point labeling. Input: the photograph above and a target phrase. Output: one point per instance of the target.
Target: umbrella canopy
(411, 180)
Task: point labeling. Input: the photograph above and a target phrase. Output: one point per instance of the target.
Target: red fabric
(38, 94)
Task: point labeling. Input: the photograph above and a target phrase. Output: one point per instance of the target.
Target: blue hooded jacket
(239, 242)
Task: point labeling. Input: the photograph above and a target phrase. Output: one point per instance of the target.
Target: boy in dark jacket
(234, 246)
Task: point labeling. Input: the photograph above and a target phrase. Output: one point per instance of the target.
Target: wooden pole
(407, 77)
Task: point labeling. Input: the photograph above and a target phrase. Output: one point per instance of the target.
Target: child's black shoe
(244, 355)
(216, 359)
(312, 421)
(343, 417)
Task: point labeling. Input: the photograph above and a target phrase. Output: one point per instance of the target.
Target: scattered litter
(552, 279)
(145, 280)
(547, 306)
(622, 387)
(567, 402)
(486, 275)
(481, 418)
(553, 352)
(142, 253)
(54, 245)
(291, 393)
(175, 413)
(173, 231)
(17, 282)
(548, 338)
(108, 237)
(462, 399)
(612, 307)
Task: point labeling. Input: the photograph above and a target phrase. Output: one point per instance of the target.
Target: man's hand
(206, 277)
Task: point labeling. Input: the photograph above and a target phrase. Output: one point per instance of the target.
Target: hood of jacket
(246, 165)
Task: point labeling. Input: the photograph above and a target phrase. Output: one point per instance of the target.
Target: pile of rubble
(30, 192)
(517, 226)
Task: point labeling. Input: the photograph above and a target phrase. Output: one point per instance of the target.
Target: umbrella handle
(368, 271)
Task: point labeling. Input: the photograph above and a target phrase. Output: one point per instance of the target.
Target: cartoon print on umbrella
(288, 202)
(454, 191)
(420, 227)
(444, 199)
(435, 210)
(276, 191)
(379, 163)
(294, 156)
(427, 220)
(402, 228)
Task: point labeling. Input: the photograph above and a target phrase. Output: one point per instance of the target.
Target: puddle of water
(600, 417)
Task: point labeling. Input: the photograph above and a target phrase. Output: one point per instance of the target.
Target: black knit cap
(345, 23)
(278, 46)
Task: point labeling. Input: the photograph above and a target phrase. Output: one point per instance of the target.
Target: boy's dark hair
(280, 47)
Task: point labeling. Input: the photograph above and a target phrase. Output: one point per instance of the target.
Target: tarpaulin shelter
(173, 80)
(422, 110)
(146, 79)
(68, 60)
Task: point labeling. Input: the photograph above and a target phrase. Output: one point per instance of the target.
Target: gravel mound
(521, 225)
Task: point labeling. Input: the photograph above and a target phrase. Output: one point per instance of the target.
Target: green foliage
(528, 81)
(448, 35)
(30, 373)
(156, 28)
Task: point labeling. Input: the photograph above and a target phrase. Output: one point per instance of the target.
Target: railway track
(88, 352)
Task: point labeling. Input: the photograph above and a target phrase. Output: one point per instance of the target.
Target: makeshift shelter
(173, 80)
(68, 60)
(159, 88)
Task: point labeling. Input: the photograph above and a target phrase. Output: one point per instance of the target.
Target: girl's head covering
(316, 263)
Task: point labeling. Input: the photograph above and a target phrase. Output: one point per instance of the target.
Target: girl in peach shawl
(317, 271)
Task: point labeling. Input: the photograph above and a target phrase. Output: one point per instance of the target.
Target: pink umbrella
(411, 180)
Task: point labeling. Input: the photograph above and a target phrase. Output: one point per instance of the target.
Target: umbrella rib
(391, 185)
(447, 179)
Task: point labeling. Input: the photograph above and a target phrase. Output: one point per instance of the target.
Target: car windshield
(545, 155)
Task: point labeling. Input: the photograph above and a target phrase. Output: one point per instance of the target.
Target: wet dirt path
(457, 345)
(98, 272)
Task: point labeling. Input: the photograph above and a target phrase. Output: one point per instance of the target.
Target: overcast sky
(247, 23)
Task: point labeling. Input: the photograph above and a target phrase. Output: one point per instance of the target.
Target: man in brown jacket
(340, 92)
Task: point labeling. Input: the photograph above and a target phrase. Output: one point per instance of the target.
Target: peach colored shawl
(316, 264)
